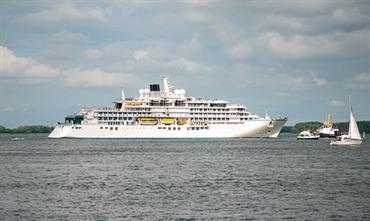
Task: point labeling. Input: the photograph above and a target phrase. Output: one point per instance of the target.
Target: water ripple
(215, 179)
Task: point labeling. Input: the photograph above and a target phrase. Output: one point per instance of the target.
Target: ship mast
(166, 87)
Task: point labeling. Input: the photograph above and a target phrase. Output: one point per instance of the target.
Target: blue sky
(299, 59)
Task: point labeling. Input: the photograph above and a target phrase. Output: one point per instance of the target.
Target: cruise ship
(167, 113)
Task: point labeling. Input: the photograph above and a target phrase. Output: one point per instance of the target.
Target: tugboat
(328, 129)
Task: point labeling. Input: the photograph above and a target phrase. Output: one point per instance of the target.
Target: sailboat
(353, 137)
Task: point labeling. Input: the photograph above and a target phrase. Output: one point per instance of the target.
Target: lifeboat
(168, 120)
(133, 103)
(148, 121)
(181, 121)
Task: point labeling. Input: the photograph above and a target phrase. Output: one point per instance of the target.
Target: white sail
(353, 132)
(353, 137)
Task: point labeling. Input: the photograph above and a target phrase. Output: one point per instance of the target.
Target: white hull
(254, 128)
(348, 142)
(307, 135)
(309, 138)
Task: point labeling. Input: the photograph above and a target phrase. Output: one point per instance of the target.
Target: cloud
(191, 45)
(349, 16)
(189, 66)
(316, 47)
(239, 50)
(320, 82)
(28, 71)
(285, 23)
(12, 66)
(6, 109)
(196, 16)
(140, 54)
(362, 78)
(93, 54)
(95, 78)
(63, 13)
(298, 46)
(361, 81)
(335, 103)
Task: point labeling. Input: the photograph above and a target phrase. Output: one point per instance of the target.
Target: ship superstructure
(327, 129)
(167, 114)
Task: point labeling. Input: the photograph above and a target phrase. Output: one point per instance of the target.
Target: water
(208, 179)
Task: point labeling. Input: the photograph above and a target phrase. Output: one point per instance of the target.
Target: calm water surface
(215, 179)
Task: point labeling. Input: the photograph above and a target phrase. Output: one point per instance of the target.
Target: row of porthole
(111, 128)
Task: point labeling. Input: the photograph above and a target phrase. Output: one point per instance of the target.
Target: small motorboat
(17, 138)
(307, 135)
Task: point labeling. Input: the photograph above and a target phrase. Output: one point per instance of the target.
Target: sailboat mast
(350, 115)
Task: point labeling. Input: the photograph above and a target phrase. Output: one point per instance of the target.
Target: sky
(300, 59)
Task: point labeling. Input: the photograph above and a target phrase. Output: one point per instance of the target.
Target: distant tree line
(313, 125)
(362, 126)
(27, 129)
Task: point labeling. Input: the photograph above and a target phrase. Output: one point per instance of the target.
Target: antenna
(267, 117)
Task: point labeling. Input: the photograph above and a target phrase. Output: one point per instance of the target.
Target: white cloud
(317, 47)
(93, 54)
(197, 17)
(189, 66)
(349, 16)
(6, 109)
(362, 78)
(360, 81)
(320, 82)
(303, 82)
(66, 12)
(19, 67)
(140, 55)
(28, 71)
(110, 53)
(191, 45)
(298, 46)
(239, 50)
(95, 78)
(282, 22)
(336, 103)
